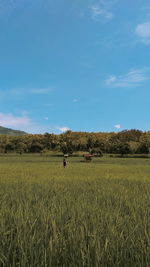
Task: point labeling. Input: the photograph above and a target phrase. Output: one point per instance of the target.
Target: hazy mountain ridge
(12, 132)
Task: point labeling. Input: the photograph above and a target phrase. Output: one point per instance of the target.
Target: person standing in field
(64, 163)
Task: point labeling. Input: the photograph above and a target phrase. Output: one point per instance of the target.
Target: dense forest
(125, 142)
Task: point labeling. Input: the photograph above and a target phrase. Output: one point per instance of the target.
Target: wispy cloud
(32, 91)
(132, 78)
(102, 9)
(98, 12)
(9, 120)
(143, 32)
(63, 129)
(117, 126)
(25, 123)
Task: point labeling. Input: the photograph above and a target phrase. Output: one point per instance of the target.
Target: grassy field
(89, 214)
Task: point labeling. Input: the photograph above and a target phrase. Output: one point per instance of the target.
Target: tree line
(125, 142)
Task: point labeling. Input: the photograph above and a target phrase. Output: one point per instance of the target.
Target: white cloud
(132, 78)
(143, 31)
(46, 118)
(117, 126)
(9, 120)
(23, 123)
(63, 129)
(102, 9)
(98, 12)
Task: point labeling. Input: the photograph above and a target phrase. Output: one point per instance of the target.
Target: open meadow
(88, 214)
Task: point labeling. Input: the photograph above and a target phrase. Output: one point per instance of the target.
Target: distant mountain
(8, 131)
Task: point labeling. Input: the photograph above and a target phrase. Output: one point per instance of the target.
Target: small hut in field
(87, 157)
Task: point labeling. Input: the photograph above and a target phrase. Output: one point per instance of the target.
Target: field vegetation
(88, 214)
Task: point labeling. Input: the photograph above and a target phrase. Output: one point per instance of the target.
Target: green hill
(8, 131)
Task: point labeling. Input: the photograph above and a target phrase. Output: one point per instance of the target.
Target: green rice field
(88, 214)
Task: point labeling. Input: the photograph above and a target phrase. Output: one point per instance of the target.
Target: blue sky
(82, 65)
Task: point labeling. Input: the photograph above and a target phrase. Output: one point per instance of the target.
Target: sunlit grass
(89, 214)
